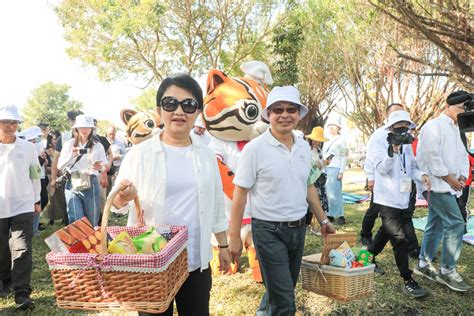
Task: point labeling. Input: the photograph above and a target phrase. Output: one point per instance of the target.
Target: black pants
(462, 203)
(44, 192)
(193, 296)
(372, 213)
(16, 234)
(393, 222)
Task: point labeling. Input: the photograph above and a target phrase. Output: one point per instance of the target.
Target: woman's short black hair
(185, 82)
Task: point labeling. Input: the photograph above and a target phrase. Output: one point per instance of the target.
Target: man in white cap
(274, 170)
(395, 169)
(199, 129)
(19, 200)
(442, 153)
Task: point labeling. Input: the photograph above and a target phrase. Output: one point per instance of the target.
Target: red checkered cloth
(155, 262)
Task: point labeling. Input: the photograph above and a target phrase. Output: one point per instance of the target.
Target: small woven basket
(338, 283)
(141, 282)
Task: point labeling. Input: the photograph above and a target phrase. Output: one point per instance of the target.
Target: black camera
(466, 119)
(400, 139)
(82, 151)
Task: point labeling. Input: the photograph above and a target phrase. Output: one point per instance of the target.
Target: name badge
(405, 184)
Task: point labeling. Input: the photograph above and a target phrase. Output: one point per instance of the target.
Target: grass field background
(239, 295)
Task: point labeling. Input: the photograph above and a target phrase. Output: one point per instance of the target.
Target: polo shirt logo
(20, 156)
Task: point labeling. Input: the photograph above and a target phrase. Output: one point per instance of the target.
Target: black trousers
(372, 213)
(393, 222)
(462, 203)
(193, 296)
(44, 193)
(16, 235)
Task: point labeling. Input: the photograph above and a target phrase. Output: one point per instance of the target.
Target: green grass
(239, 295)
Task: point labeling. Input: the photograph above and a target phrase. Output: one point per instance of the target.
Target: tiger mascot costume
(140, 126)
(232, 114)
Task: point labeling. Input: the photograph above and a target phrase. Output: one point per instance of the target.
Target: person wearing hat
(83, 157)
(316, 139)
(274, 169)
(19, 200)
(199, 130)
(442, 154)
(395, 168)
(335, 156)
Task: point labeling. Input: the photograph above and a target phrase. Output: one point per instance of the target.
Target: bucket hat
(286, 94)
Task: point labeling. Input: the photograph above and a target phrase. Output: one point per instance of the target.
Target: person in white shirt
(335, 156)
(442, 154)
(84, 157)
(395, 169)
(178, 181)
(118, 152)
(199, 129)
(274, 171)
(19, 199)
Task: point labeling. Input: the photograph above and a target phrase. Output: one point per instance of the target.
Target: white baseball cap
(10, 112)
(84, 121)
(31, 133)
(399, 116)
(288, 94)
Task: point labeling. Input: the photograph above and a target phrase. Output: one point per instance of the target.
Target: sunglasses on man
(290, 110)
(170, 104)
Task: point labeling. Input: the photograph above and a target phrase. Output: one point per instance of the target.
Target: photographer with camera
(443, 155)
(82, 157)
(395, 169)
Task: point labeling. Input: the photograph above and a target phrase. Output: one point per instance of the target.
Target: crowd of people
(280, 176)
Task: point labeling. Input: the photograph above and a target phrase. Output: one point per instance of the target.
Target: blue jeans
(279, 249)
(334, 193)
(83, 203)
(445, 223)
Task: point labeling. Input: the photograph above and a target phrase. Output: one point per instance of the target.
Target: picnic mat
(420, 223)
(350, 198)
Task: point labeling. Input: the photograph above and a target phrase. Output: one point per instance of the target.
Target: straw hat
(317, 134)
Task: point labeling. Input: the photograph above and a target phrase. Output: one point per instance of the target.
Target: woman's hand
(97, 166)
(339, 176)
(224, 259)
(127, 193)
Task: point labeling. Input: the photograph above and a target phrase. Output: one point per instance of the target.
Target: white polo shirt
(19, 178)
(277, 177)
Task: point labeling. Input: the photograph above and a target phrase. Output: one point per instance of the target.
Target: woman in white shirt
(84, 156)
(178, 183)
(335, 156)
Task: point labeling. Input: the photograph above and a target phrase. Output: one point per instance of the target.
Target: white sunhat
(258, 71)
(199, 122)
(10, 112)
(31, 133)
(288, 94)
(334, 120)
(399, 116)
(84, 121)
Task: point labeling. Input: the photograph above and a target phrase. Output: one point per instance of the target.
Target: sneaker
(23, 302)
(341, 221)
(411, 288)
(5, 288)
(454, 281)
(428, 272)
(378, 269)
(365, 241)
(331, 219)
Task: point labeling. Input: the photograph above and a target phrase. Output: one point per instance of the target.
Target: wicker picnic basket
(142, 282)
(338, 283)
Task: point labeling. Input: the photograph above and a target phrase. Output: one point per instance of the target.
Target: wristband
(222, 247)
(324, 222)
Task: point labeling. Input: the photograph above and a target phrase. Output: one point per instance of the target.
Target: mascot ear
(126, 115)
(214, 79)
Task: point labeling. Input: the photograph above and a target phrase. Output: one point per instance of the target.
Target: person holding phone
(335, 158)
(83, 156)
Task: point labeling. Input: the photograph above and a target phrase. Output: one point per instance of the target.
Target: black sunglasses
(290, 110)
(170, 104)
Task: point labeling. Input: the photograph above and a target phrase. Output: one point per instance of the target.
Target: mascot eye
(149, 123)
(251, 111)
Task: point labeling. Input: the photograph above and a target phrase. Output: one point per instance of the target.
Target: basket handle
(106, 214)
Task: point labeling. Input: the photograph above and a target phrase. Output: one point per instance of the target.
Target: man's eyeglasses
(9, 122)
(290, 110)
(170, 104)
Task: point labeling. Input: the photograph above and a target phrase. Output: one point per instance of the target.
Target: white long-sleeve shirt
(369, 167)
(145, 166)
(336, 146)
(86, 163)
(20, 185)
(389, 172)
(441, 152)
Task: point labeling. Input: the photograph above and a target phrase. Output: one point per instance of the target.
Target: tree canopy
(49, 103)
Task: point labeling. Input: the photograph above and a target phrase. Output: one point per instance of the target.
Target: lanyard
(402, 158)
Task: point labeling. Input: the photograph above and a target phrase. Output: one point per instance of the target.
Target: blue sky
(33, 52)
